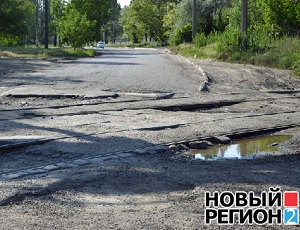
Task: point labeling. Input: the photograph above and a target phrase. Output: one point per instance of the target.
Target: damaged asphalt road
(84, 144)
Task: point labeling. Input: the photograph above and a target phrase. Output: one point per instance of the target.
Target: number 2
(291, 220)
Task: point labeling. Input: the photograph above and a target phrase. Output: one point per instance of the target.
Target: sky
(124, 2)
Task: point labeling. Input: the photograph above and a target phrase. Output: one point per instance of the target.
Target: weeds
(283, 54)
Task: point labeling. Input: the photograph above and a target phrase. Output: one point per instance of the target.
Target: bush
(200, 40)
(281, 53)
(228, 42)
(182, 35)
(8, 40)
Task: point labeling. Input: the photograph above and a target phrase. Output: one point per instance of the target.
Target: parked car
(100, 45)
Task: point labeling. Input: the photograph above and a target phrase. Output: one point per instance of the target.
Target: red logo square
(291, 199)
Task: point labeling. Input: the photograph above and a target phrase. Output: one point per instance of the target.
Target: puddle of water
(242, 148)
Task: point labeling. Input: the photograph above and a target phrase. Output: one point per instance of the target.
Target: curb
(208, 80)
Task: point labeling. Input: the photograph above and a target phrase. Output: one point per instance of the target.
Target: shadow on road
(143, 174)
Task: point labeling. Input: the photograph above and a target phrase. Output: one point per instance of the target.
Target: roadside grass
(191, 51)
(286, 54)
(282, 54)
(145, 45)
(117, 45)
(38, 52)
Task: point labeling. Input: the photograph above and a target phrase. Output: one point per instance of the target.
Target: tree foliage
(75, 28)
(95, 11)
(57, 10)
(283, 15)
(209, 14)
(131, 26)
(92, 17)
(267, 20)
(150, 19)
(144, 19)
(183, 34)
(14, 18)
(113, 28)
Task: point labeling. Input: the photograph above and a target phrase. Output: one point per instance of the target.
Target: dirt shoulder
(132, 190)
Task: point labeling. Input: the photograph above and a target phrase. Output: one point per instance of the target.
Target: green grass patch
(191, 51)
(38, 52)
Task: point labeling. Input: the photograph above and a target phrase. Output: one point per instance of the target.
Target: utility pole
(194, 18)
(244, 24)
(37, 23)
(46, 23)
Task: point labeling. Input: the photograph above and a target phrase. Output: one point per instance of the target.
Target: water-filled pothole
(246, 148)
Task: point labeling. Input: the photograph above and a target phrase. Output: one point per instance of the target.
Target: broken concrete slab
(48, 92)
(200, 144)
(222, 140)
(100, 94)
(51, 167)
(41, 91)
(140, 151)
(81, 162)
(182, 147)
(149, 95)
(21, 141)
(66, 165)
(35, 171)
(96, 160)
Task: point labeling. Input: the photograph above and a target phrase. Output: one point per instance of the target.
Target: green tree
(75, 28)
(14, 19)
(57, 10)
(113, 27)
(131, 25)
(96, 11)
(267, 21)
(144, 18)
(281, 15)
(210, 17)
(169, 19)
(103, 13)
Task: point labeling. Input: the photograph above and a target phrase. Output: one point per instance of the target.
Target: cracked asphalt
(84, 144)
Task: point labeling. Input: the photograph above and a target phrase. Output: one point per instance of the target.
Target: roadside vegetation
(39, 52)
(283, 53)
(272, 37)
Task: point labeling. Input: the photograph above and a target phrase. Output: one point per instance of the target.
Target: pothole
(194, 107)
(241, 149)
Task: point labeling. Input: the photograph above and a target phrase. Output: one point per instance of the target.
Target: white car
(100, 45)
